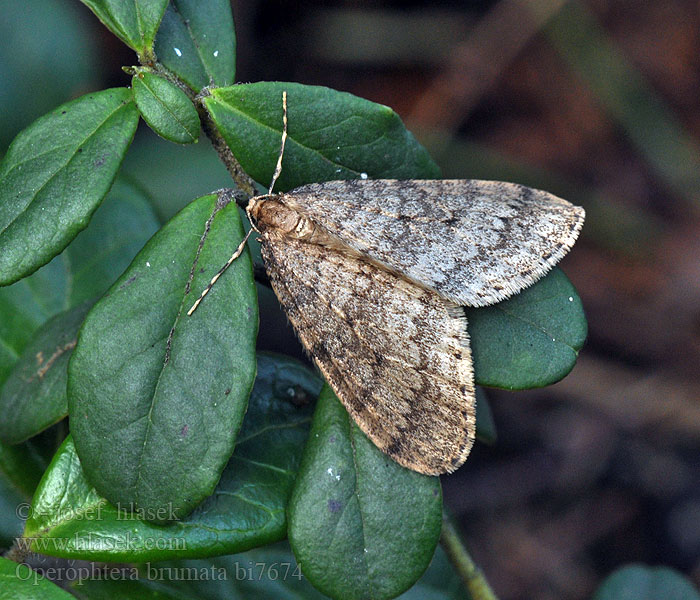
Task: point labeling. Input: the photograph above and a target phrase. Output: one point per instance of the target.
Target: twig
(19, 551)
(242, 179)
(471, 575)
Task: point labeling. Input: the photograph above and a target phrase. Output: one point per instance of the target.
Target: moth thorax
(271, 213)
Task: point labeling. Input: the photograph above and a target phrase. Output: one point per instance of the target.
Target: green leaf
(134, 22)
(269, 573)
(166, 108)
(128, 589)
(360, 525)
(197, 42)
(247, 508)
(19, 582)
(485, 425)
(56, 173)
(120, 227)
(530, 340)
(639, 582)
(34, 396)
(156, 397)
(332, 135)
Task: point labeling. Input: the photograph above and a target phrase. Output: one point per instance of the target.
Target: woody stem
(240, 177)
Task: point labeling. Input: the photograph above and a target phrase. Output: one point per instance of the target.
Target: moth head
(270, 213)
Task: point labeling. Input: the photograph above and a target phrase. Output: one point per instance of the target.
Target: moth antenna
(214, 279)
(278, 168)
(241, 246)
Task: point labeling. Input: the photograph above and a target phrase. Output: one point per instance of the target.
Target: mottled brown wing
(396, 355)
(474, 242)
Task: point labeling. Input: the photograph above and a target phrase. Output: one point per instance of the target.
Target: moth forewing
(474, 242)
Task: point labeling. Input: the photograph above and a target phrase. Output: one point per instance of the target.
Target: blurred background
(597, 101)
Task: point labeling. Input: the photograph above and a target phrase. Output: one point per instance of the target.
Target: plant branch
(471, 575)
(242, 179)
(19, 551)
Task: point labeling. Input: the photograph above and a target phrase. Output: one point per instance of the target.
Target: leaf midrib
(351, 436)
(195, 43)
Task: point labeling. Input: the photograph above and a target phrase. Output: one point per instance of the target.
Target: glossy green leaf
(134, 22)
(269, 573)
(83, 271)
(360, 525)
(197, 42)
(34, 396)
(19, 582)
(156, 397)
(332, 135)
(166, 108)
(639, 582)
(56, 173)
(247, 508)
(485, 425)
(530, 340)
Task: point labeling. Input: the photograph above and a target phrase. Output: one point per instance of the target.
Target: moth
(372, 275)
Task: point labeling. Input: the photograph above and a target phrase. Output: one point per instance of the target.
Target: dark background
(594, 100)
